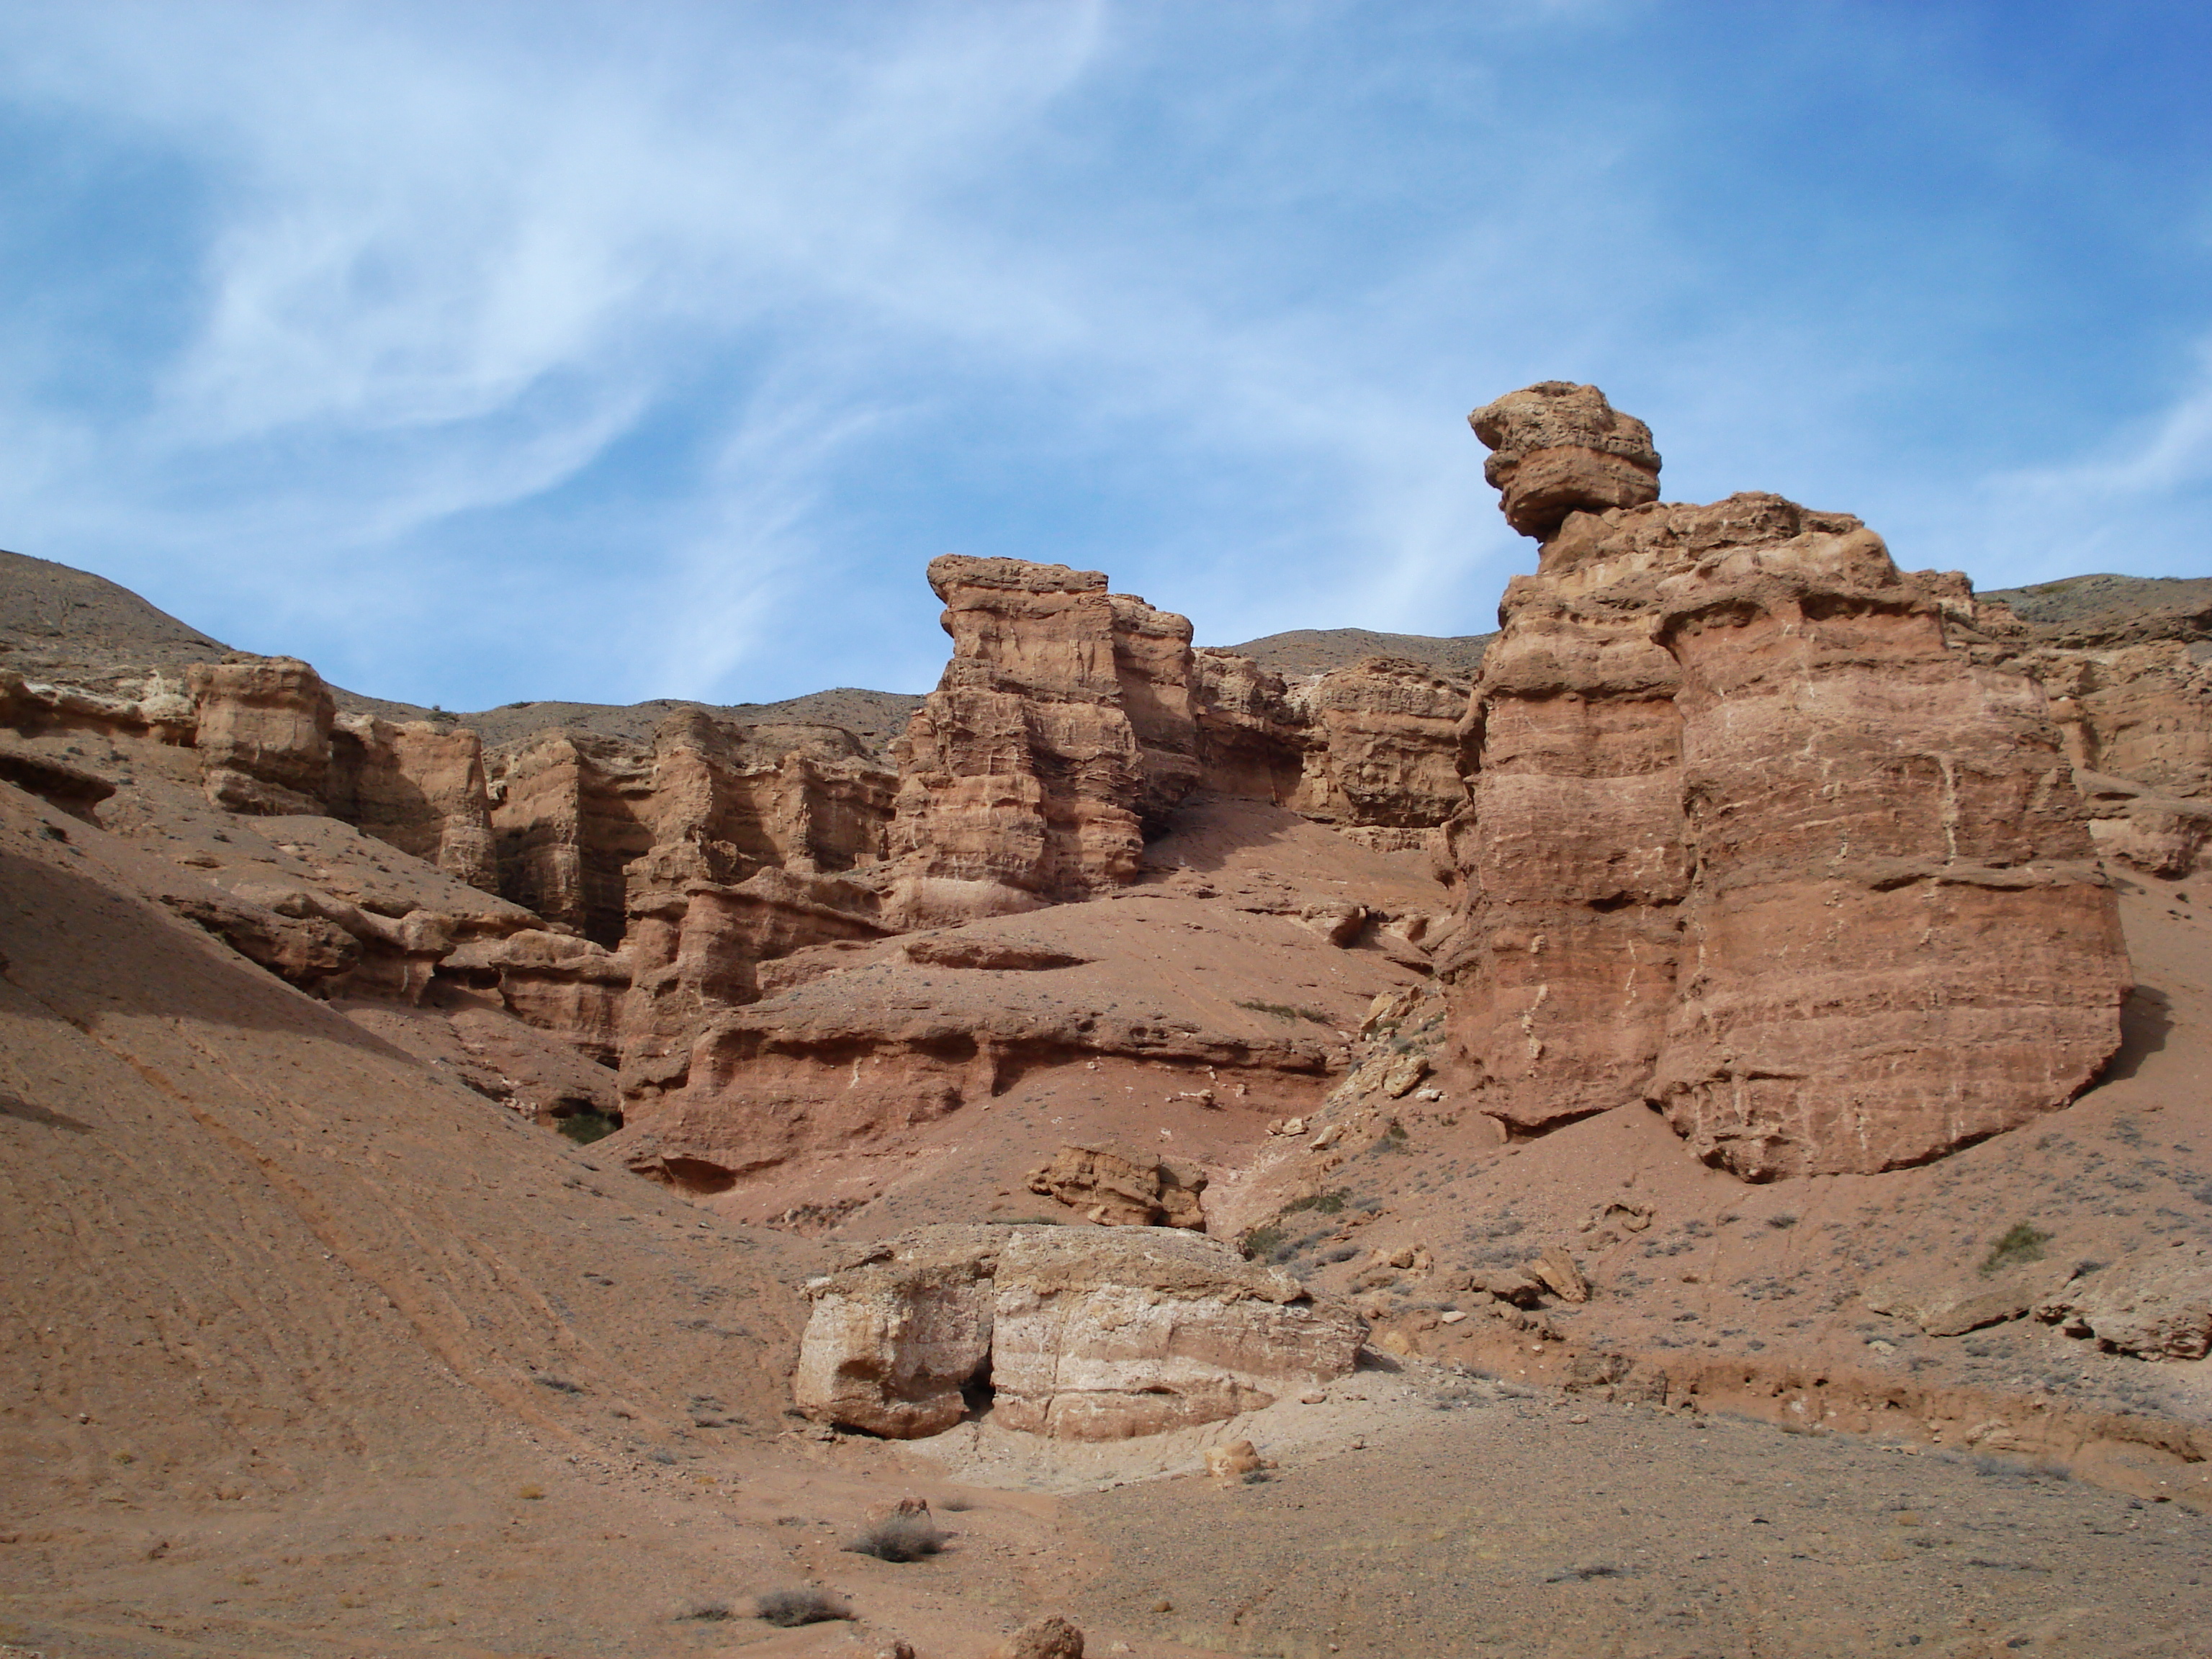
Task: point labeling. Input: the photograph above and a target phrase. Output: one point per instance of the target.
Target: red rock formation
(2130, 691)
(591, 828)
(1751, 841)
(565, 814)
(696, 953)
(1572, 855)
(1023, 777)
(420, 788)
(1380, 746)
(1557, 449)
(264, 734)
(1071, 721)
(1253, 741)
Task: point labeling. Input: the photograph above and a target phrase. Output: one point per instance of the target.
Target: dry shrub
(899, 1538)
(804, 1606)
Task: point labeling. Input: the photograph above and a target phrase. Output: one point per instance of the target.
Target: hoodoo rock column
(1751, 841)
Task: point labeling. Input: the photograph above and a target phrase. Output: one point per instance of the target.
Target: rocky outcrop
(568, 986)
(1082, 1333)
(698, 952)
(2131, 695)
(724, 802)
(2156, 1304)
(1049, 1637)
(896, 1336)
(867, 1040)
(1380, 748)
(264, 734)
(1114, 1189)
(419, 787)
(72, 789)
(1072, 720)
(2158, 834)
(593, 830)
(1105, 1335)
(567, 824)
(1751, 841)
(1557, 448)
(1023, 777)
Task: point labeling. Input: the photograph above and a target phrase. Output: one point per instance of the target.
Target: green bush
(585, 1128)
(2021, 1241)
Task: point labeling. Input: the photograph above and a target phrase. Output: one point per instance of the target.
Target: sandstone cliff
(1024, 777)
(1750, 839)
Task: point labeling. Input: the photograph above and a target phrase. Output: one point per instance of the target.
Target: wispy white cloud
(647, 349)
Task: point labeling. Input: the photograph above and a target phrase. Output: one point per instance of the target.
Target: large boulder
(2156, 1304)
(1557, 448)
(896, 1333)
(1109, 1333)
(1085, 1333)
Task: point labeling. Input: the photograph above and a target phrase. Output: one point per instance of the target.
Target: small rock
(1051, 1637)
(896, 1650)
(1579, 1417)
(1452, 1317)
(1312, 1399)
(1398, 1082)
(1238, 1457)
(1556, 1270)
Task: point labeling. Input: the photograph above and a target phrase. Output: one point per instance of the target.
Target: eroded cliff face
(1071, 721)
(1023, 779)
(2131, 694)
(263, 735)
(418, 787)
(1750, 839)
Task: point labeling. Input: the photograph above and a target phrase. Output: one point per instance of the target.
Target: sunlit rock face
(1751, 841)
(1082, 1332)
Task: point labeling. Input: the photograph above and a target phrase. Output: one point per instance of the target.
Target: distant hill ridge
(60, 622)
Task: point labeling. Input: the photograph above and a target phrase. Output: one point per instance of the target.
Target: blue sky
(486, 352)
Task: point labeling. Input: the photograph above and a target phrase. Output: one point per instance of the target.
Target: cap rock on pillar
(1558, 448)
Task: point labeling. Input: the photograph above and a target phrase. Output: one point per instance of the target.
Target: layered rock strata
(1557, 449)
(1023, 779)
(894, 1338)
(271, 742)
(1083, 1333)
(854, 1043)
(418, 787)
(1072, 720)
(263, 735)
(1750, 840)
(1115, 1189)
(1105, 1335)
